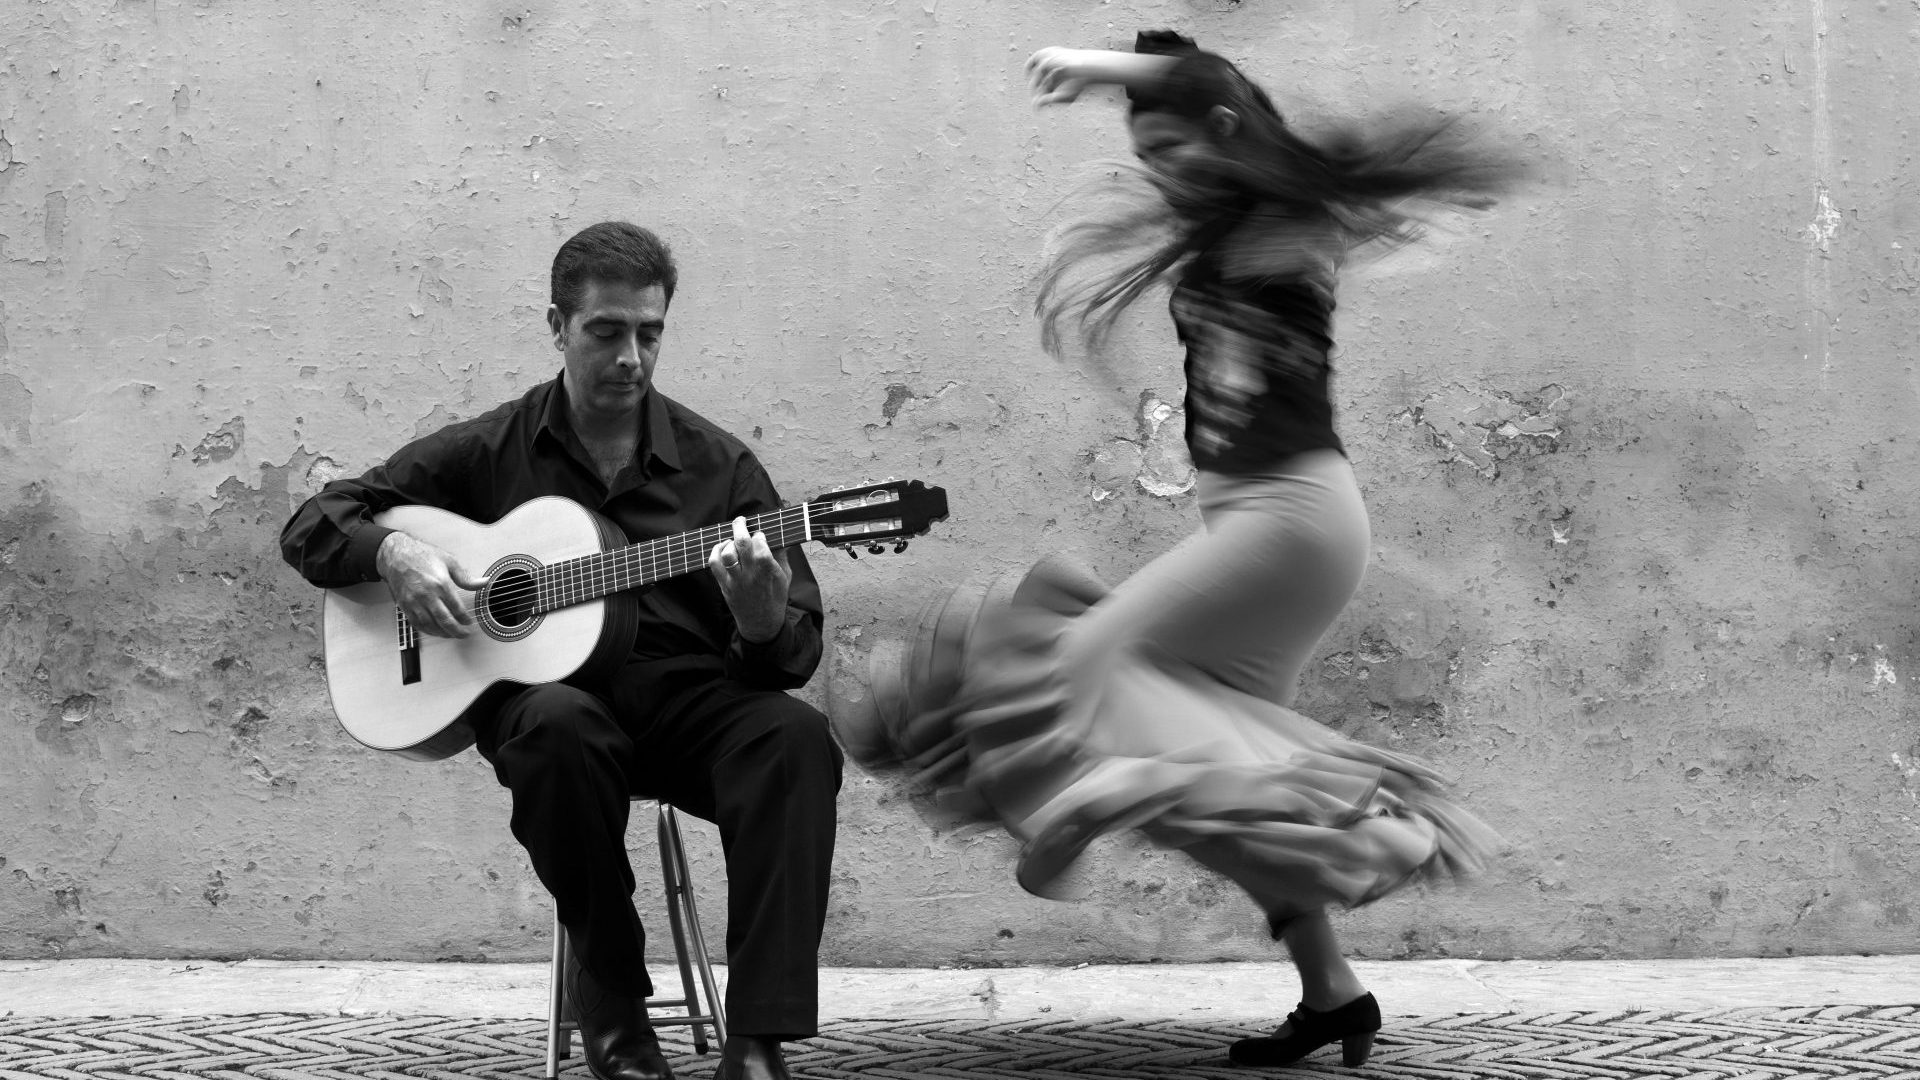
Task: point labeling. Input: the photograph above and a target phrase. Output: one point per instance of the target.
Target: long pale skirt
(1065, 710)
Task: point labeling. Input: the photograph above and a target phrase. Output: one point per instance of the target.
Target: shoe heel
(1354, 1049)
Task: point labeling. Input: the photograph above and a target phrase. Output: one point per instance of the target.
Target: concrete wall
(1639, 449)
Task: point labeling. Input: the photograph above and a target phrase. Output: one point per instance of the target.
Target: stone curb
(1231, 991)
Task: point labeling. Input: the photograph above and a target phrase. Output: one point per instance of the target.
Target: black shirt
(686, 474)
(1257, 368)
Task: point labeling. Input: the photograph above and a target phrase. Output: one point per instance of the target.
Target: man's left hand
(753, 578)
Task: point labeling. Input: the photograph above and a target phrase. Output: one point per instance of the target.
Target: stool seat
(689, 946)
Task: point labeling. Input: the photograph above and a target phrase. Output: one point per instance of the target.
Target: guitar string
(638, 561)
(564, 578)
(613, 571)
(678, 554)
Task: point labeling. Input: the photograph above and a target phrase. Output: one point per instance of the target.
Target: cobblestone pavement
(1825, 1041)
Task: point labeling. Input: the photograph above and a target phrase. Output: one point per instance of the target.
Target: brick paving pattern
(1833, 1041)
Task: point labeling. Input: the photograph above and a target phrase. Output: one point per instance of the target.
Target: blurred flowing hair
(1268, 202)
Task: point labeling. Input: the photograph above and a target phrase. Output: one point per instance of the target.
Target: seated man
(697, 716)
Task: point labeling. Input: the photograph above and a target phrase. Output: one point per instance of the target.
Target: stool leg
(688, 940)
(559, 1031)
(674, 885)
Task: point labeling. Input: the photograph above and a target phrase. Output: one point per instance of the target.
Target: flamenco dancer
(1066, 711)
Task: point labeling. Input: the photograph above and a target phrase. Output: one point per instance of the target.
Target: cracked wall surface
(1638, 447)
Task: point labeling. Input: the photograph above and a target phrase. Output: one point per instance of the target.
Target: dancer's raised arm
(1057, 76)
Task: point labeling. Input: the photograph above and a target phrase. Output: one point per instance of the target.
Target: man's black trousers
(759, 764)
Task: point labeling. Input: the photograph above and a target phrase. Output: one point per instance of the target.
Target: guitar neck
(590, 577)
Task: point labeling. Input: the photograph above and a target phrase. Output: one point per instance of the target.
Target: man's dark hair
(612, 251)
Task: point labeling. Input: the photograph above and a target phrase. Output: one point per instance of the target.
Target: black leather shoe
(1352, 1025)
(751, 1057)
(615, 1037)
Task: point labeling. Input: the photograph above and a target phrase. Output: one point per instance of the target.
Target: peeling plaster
(16, 412)
(222, 444)
(1652, 615)
(1484, 429)
(1826, 222)
(1154, 460)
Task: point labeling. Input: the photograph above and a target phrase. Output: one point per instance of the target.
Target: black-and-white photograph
(1117, 539)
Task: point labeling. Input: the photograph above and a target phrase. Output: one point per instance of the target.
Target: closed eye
(648, 334)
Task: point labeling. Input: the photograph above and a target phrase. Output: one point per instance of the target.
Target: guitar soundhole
(510, 600)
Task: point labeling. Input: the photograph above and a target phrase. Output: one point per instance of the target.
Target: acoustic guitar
(557, 605)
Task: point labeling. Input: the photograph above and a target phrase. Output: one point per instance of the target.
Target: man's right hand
(427, 584)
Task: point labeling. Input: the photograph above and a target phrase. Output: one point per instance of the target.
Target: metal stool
(689, 944)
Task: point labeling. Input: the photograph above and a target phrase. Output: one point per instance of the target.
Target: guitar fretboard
(842, 518)
(590, 577)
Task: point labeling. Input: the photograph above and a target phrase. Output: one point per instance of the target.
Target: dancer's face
(1189, 158)
(1171, 145)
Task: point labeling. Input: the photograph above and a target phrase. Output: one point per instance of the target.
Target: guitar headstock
(874, 513)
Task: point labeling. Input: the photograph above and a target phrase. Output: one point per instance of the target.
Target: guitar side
(426, 717)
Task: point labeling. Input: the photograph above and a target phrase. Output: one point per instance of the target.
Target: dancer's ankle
(1330, 996)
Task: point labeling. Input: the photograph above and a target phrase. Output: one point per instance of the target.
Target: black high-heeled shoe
(1352, 1025)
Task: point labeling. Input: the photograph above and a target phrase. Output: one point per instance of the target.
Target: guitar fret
(589, 577)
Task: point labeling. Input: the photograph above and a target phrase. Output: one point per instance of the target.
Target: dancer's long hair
(1267, 201)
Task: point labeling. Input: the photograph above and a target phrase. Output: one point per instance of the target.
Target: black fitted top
(1257, 368)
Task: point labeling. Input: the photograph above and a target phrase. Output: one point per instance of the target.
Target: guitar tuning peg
(852, 554)
(899, 547)
(875, 549)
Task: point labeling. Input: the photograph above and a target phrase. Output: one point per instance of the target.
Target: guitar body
(558, 605)
(454, 681)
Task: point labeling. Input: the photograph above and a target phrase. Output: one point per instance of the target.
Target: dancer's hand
(1056, 76)
(753, 580)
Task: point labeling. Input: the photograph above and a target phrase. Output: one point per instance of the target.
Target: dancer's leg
(1327, 981)
(1334, 1007)
(1245, 602)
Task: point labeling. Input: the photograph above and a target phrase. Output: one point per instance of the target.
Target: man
(697, 716)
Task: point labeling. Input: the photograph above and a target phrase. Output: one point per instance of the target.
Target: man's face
(611, 343)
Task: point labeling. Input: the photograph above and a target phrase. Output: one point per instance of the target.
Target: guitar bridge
(409, 648)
